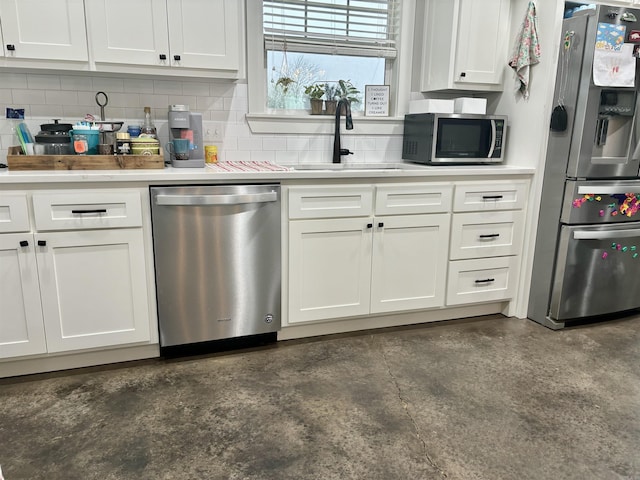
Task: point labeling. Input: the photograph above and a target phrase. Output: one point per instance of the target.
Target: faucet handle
(345, 151)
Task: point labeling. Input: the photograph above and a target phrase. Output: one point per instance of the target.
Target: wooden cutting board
(17, 161)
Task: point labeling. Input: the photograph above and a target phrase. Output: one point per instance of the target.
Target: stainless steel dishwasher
(217, 261)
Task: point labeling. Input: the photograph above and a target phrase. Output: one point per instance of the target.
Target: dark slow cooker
(54, 139)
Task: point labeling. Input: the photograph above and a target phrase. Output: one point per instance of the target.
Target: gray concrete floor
(491, 398)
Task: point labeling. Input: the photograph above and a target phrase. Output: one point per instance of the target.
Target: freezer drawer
(596, 202)
(596, 271)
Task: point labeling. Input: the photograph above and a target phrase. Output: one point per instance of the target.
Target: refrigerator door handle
(604, 189)
(216, 199)
(493, 138)
(605, 234)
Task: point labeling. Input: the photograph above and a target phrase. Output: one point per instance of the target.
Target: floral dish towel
(527, 49)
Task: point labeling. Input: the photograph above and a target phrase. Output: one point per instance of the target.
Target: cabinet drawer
(87, 210)
(14, 213)
(482, 280)
(492, 196)
(490, 234)
(413, 198)
(330, 202)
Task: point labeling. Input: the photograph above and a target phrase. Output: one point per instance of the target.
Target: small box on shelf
(470, 105)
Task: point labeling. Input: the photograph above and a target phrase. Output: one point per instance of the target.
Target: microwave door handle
(605, 234)
(493, 138)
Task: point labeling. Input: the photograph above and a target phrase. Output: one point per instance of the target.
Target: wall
(529, 119)
(46, 96)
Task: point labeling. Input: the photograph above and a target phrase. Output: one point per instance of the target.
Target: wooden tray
(16, 160)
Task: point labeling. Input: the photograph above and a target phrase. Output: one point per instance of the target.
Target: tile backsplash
(223, 106)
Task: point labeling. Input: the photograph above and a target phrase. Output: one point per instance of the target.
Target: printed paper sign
(376, 100)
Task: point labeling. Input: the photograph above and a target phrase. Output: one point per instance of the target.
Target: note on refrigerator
(614, 68)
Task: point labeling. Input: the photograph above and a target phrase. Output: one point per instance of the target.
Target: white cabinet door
(199, 34)
(51, 30)
(204, 33)
(465, 45)
(409, 262)
(482, 34)
(126, 32)
(329, 268)
(93, 288)
(21, 327)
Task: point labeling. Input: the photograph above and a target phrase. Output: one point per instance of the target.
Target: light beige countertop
(400, 171)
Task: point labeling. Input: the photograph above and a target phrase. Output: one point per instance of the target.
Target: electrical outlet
(213, 131)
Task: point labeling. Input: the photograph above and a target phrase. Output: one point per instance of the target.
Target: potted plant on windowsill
(315, 93)
(346, 90)
(330, 94)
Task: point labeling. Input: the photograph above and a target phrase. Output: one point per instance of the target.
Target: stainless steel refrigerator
(587, 254)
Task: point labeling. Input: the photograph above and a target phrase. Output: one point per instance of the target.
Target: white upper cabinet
(170, 35)
(466, 45)
(205, 33)
(51, 30)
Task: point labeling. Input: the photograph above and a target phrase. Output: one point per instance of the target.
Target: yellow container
(210, 154)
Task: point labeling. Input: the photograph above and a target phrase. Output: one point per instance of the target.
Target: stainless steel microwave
(453, 138)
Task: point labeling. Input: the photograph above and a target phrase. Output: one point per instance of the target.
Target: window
(395, 71)
(318, 42)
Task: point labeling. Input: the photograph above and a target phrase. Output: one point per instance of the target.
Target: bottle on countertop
(148, 129)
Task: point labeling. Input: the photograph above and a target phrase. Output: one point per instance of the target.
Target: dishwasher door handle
(235, 199)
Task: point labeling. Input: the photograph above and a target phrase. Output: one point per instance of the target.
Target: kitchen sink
(349, 167)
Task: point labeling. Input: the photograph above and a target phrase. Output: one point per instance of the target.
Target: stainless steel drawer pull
(490, 235)
(486, 280)
(86, 212)
(491, 197)
(216, 199)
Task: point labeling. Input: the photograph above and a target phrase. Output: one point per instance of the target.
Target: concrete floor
(492, 398)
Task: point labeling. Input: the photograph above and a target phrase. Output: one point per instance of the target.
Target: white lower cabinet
(368, 262)
(409, 262)
(487, 231)
(93, 288)
(329, 268)
(482, 280)
(21, 323)
(76, 286)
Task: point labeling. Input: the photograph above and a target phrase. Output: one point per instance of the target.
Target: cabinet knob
(11, 47)
(369, 225)
(24, 243)
(463, 74)
(380, 224)
(163, 56)
(42, 243)
(176, 58)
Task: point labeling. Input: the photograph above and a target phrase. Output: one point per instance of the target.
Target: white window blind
(338, 27)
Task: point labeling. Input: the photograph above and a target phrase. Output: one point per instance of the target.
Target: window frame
(262, 121)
